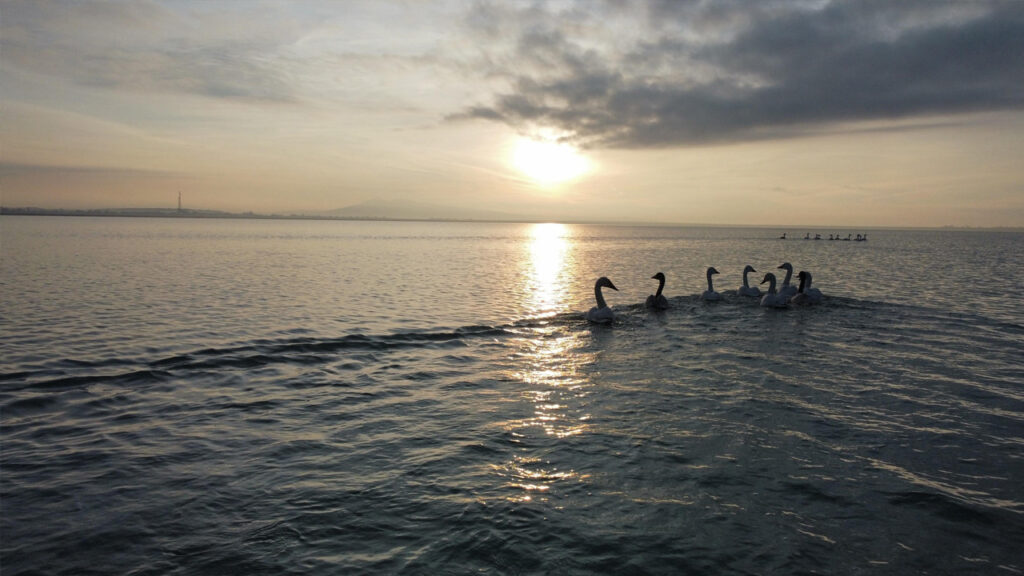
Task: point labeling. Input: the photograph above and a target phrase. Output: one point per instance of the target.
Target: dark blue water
(203, 397)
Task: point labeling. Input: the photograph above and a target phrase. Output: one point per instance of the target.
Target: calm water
(275, 397)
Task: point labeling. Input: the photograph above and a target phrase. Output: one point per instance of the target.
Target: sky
(816, 112)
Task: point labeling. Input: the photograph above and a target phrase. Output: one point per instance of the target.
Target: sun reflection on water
(548, 269)
(547, 362)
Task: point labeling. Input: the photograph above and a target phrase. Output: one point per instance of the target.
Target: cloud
(682, 73)
(147, 47)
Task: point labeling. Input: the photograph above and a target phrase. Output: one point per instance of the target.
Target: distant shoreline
(217, 214)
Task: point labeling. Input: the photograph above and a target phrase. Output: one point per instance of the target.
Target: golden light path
(548, 362)
(548, 275)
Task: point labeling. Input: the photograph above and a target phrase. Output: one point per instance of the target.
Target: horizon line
(128, 212)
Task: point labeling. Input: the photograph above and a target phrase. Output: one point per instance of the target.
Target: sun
(548, 162)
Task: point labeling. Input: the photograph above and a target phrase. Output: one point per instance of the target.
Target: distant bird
(786, 290)
(657, 301)
(710, 293)
(807, 236)
(601, 313)
(772, 299)
(805, 294)
(783, 237)
(817, 236)
(847, 239)
(747, 289)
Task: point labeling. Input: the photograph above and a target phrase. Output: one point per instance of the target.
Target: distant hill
(402, 210)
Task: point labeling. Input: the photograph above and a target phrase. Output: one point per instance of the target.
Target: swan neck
(661, 286)
(803, 284)
(710, 288)
(599, 297)
(745, 284)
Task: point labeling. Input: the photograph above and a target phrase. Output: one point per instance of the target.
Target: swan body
(657, 301)
(601, 313)
(787, 290)
(747, 289)
(772, 299)
(710, 293)
(805, 294)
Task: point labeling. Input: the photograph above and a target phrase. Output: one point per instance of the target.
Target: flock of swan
(849, 237)
(786, 294)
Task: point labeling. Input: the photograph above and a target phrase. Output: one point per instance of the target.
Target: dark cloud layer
(713, 72)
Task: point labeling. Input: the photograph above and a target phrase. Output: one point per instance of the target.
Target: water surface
(211, 396)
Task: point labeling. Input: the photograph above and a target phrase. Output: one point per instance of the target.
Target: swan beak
(612, 286)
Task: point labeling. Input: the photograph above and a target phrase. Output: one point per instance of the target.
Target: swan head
(658, 276)
(712, 271)
(787, 267)
(604, 282)
(769, 277)
(749, 268)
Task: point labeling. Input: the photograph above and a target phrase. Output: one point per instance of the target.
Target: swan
(805, 294)
(783, 237)
(601, 313)
(787, 290)
(817, 236)
(772, 299)
(747, 289)
(710, 293)
(657, 301)
(807, 236)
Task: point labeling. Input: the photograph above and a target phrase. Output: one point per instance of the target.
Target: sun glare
(548, 163)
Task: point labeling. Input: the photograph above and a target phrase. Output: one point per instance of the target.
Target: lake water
(186, 396)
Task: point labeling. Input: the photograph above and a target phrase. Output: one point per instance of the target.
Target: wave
(935, 325)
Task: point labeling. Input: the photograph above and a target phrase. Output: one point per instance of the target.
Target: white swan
(772, 299)
(710, 293)
(657, 301)
(805, 294)
(601, 313)
(787, 290)
(747, 289)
